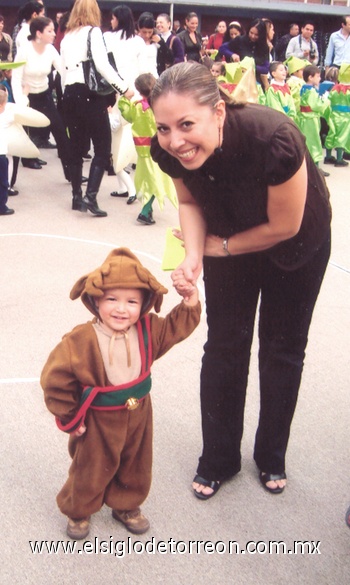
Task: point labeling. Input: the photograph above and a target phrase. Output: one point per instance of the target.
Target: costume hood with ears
(121, 269)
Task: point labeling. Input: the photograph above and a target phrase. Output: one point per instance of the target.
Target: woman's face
(192, 24)
(162, 24)
(253, 34)
(270, 32)
(47, 37)
(146, 34)
(221, 28)
(234, 32)
(1, 26)
(114, 22)
(188, 131)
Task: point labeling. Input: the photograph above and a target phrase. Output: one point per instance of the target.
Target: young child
(312, 107)
(278, 95)
(218, 70)
(338, 136)
(6, 119)
(97, 383)
(125, 186)
(295, 81)
(150, 181)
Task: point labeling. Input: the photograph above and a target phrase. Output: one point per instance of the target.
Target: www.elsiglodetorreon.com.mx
(121, 548)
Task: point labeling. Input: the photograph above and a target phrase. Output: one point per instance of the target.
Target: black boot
(66, 171)
(75, 175)
(94, 182)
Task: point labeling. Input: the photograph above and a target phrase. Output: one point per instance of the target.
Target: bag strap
(171, 42)
(89, 53)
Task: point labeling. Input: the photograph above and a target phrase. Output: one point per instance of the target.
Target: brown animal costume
(112, 460)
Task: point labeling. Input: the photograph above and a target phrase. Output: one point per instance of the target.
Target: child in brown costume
(97, 382)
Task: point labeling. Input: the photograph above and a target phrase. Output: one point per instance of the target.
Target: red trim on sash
(142, 140)
(306, 109)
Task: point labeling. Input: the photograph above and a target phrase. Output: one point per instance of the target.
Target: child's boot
(146, 215)
(340, 162)
(133, 520)
(78, 529)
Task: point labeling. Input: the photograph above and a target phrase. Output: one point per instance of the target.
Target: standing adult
(86, 112)
(127, 47)
(303, 46)
(215, 40)
(338, 50)
(282, 43)
(191, 38)
(145, 27)
(30, 83)
(234, 30)
(5, 42)
(252, 44)
(177, 28)
(171, 50)
(26, 15)
(255, 211)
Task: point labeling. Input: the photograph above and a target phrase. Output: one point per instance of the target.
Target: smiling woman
(254, 210)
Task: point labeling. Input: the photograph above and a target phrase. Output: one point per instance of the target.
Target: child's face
(315, 79)
(215, 70)
(120, 308)
(280, 73)
(298, 73)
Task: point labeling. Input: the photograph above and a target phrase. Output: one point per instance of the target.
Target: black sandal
(266, 477)
(214, 485)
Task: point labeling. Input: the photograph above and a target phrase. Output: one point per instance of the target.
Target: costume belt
(340, 108)
(124, 397)
(142, 140)
(305, 109)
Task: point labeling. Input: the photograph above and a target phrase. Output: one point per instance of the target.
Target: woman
(234, 30)
(215, 41)
(86, 112)
(171, 49)
(145, 27)
(191, 38)
(5, 42)
(128, 48)
(254, 205)
(30, 83)
(252, 44)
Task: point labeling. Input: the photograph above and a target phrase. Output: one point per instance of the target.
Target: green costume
(339, 122)
(149, 179)
(279, 98)
(312, 107)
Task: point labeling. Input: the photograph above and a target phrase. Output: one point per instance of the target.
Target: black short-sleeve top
(261, 147)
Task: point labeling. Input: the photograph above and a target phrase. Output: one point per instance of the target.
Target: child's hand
(128, 94)
(80, 431)
(184, 288)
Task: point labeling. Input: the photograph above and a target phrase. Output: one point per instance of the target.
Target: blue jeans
(233, 287)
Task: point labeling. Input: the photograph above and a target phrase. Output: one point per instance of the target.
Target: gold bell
(131, 403)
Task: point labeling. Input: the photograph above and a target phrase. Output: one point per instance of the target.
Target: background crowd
(150, 45)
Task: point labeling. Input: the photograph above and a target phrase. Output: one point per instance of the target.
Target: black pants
(44, 103)
(86, 114)
(287, 299)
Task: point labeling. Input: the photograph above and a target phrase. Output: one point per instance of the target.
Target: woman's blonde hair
(84, 13)
(190, 78)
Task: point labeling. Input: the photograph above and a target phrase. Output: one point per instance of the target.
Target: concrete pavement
(44, 248)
